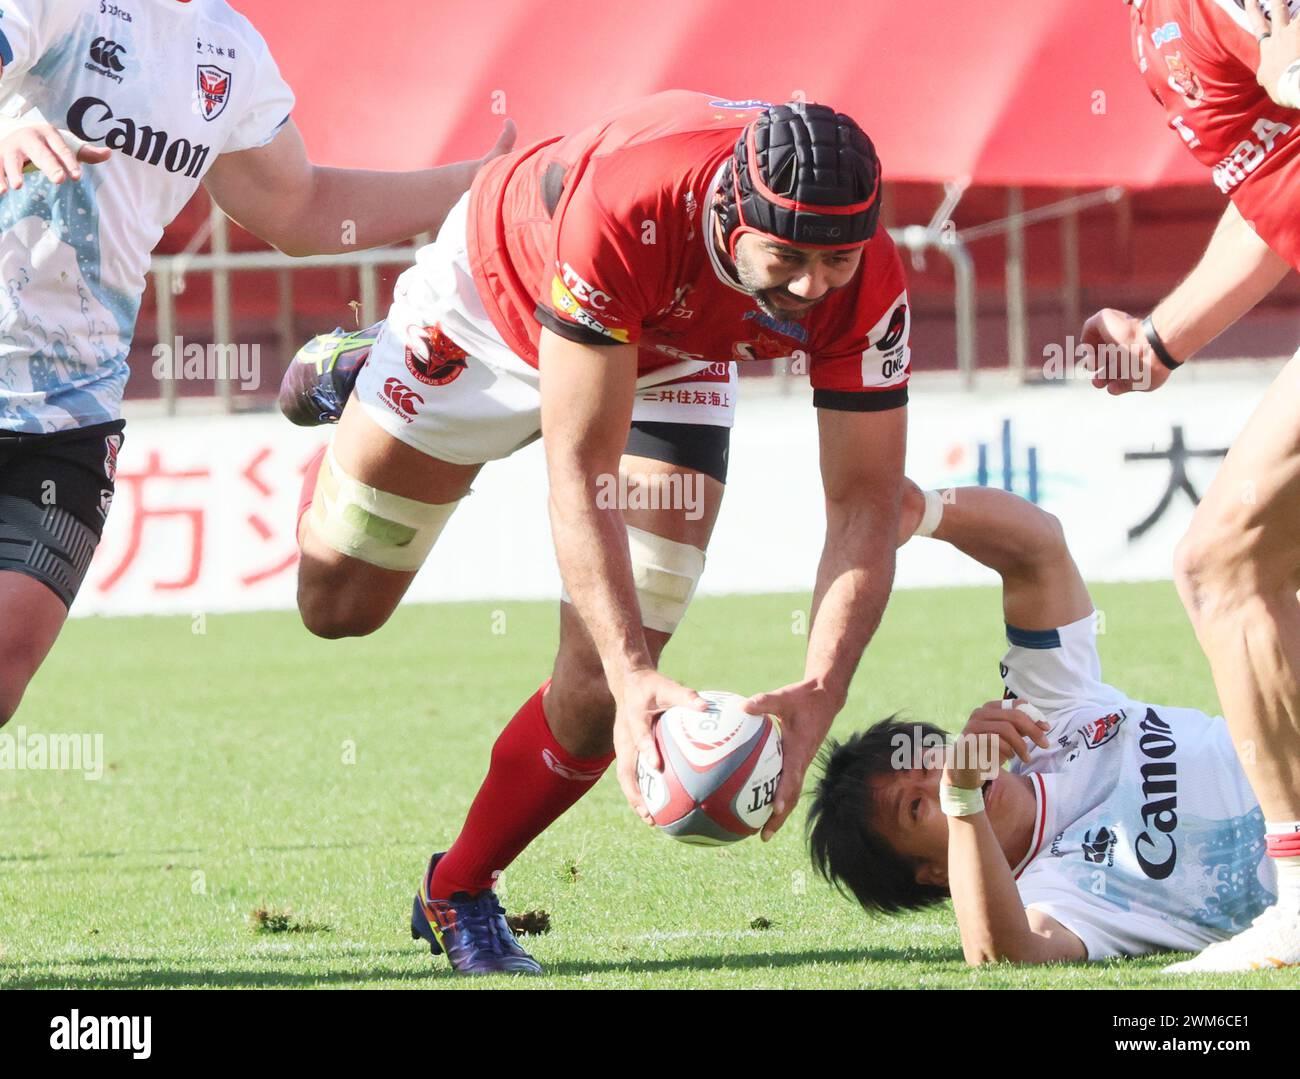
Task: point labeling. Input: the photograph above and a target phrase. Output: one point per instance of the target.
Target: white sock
(1288, 867)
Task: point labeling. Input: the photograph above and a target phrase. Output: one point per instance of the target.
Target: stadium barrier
(205, 509)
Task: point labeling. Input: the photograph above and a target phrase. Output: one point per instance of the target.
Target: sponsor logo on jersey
(1162, 35)
(785, 327)
(751, 103)
(400, 399)
(586, 295)
(1249, 154)
(106, 53)
(1156, 848)
(92, 119)
(567, 304)
(1099, 847)
(214, 90)
(890, 348)
(114, 12)
(1098, 732)
(432, 357)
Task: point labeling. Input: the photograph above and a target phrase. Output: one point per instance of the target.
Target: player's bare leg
(31, 617)
(1238, 570)
(550, 754)
(340, 595)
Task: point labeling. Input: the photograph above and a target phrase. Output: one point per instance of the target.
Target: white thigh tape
(665, 574)
(371, 525)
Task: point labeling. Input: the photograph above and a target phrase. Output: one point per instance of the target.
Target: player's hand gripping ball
(721, 770)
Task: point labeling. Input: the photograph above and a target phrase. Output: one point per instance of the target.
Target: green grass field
(253, 768)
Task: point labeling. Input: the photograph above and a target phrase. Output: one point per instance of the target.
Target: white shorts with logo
(485, 405)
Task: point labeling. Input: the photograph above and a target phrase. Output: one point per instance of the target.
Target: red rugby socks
(531, 781)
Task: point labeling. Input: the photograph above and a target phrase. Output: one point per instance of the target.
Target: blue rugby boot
(470, 930)
(322, 374)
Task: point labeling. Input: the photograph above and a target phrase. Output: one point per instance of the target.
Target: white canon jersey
(1147, 834)
(168, 85)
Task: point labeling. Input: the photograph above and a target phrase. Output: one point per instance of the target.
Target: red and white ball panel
(721, 769)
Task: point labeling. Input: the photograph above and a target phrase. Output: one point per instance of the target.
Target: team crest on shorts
(214, 90)
(442, 361)
(112, 443)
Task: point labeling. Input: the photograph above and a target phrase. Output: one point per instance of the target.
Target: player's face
(905, 812)
(787, 281)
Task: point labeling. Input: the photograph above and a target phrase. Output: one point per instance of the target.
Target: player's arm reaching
(587, 395)
(278, 194)
(1237, 270)
(862, 471)
(1041, 589)
(993, 923)
(1041, 586)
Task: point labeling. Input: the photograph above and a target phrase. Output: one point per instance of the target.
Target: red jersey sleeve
(606, 259)
(865, 365)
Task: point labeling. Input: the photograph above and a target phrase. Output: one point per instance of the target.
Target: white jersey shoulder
(169, 87)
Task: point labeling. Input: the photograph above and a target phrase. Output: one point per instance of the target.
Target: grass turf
(269, 801)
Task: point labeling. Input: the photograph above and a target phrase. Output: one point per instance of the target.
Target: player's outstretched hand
(1279, 43)
(42, 147)
(806, 712)
(646, 694)
(1121, 357)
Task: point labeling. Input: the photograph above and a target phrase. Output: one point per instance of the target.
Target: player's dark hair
(845, 849)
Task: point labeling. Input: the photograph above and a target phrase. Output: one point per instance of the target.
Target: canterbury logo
(106, 54)
(401, 396)
(565, 772)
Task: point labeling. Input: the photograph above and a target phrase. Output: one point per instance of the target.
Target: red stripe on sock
(530, 783)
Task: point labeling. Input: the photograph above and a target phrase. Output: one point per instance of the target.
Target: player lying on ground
(598, 287)
(1121, 827)
(1229, 81)
(120, 121)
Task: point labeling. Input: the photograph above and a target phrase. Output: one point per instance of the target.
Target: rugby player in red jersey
(1229, 81)
(599, 287)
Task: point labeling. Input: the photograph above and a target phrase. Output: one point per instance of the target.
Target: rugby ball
(720, 771)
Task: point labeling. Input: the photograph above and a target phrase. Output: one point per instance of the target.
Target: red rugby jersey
(1199, 58)
(604, 236)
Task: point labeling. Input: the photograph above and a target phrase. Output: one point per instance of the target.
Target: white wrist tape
(1287, 92)
(932, 516)
(959, 801)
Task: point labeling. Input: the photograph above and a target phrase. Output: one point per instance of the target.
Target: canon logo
(92, 119)
(1160, 789)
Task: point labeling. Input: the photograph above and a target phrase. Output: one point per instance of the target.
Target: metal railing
(940, 235)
